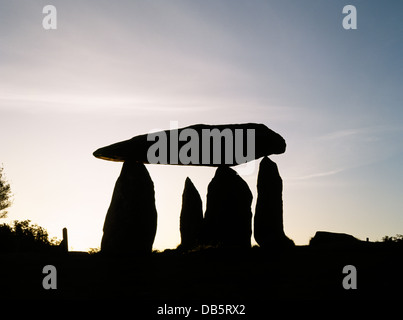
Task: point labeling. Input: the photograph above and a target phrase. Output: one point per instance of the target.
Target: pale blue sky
(115, 69)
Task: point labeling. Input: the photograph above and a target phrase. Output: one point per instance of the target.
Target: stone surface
(266, 142)
(191, 217)
(131, 220)
(324, 238)
(227, 220)
(268, 220)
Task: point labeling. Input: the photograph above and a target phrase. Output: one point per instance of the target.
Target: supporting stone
(131, 221)
(268, 220)
(227, 221)
(191, 217)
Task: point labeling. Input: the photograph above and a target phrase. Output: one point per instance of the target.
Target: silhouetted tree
(5, 194)
(398, 238)
(24, 236)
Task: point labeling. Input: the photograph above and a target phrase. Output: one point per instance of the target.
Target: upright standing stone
(131, 221)
(191, 218)
(227, 221)
(268, 221)
(65, 243)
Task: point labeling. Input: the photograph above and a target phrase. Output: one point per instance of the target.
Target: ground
(208, 276)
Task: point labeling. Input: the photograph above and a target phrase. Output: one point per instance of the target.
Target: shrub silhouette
(394, 241)
(23, 236)
(398, 239)
(5, 194)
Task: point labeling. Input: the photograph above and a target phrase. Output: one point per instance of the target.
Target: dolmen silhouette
(131, 221)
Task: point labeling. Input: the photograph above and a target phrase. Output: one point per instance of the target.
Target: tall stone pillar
(268, 220)
(131, 220)
(228, 217)
(191, 217)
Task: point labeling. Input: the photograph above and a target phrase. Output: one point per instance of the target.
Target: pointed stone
(227, 221)
(191, 218)
(268, 220)
(131, 221)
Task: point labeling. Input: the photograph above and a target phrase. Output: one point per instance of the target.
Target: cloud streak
(317, 175)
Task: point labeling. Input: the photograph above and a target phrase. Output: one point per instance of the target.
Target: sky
(115, 69)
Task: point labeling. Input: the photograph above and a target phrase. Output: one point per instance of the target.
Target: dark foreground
(208, 276)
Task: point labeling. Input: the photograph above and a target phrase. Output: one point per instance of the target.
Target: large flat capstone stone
(198, 145)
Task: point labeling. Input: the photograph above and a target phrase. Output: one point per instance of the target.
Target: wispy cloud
(365, 132)
(340, 134)
(317, 175)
